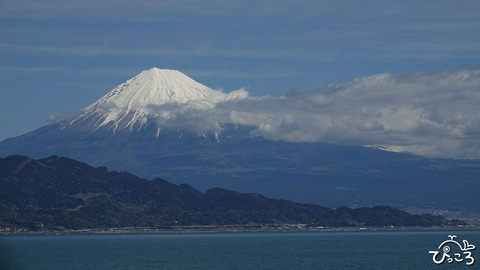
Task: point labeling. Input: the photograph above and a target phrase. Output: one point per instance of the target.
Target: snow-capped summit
(155, 87)
(130, 104)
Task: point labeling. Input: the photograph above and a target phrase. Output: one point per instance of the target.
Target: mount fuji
(161, 123)
(132, 104)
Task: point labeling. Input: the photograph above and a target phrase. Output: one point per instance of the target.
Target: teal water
(274, 250)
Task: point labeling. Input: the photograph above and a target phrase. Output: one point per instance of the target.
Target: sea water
(259, 250)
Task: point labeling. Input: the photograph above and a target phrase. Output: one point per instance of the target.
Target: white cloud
(212, 73)
(433, 114)
(148, 50)
(28, 69)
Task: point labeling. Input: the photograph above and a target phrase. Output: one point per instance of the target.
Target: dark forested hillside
(60, 192)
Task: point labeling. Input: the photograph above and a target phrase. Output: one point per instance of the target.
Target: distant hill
(57, 191)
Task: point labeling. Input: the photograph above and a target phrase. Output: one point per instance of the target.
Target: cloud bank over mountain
(434, 114)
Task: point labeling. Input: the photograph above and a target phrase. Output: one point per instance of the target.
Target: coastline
(232, 229)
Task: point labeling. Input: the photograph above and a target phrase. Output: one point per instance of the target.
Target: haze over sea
(272, 250)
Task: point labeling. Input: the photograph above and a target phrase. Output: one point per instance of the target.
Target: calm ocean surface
(273, 250)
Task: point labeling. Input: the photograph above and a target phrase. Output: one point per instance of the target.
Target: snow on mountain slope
(130, 104)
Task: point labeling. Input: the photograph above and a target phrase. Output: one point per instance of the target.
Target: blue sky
(60, 56)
